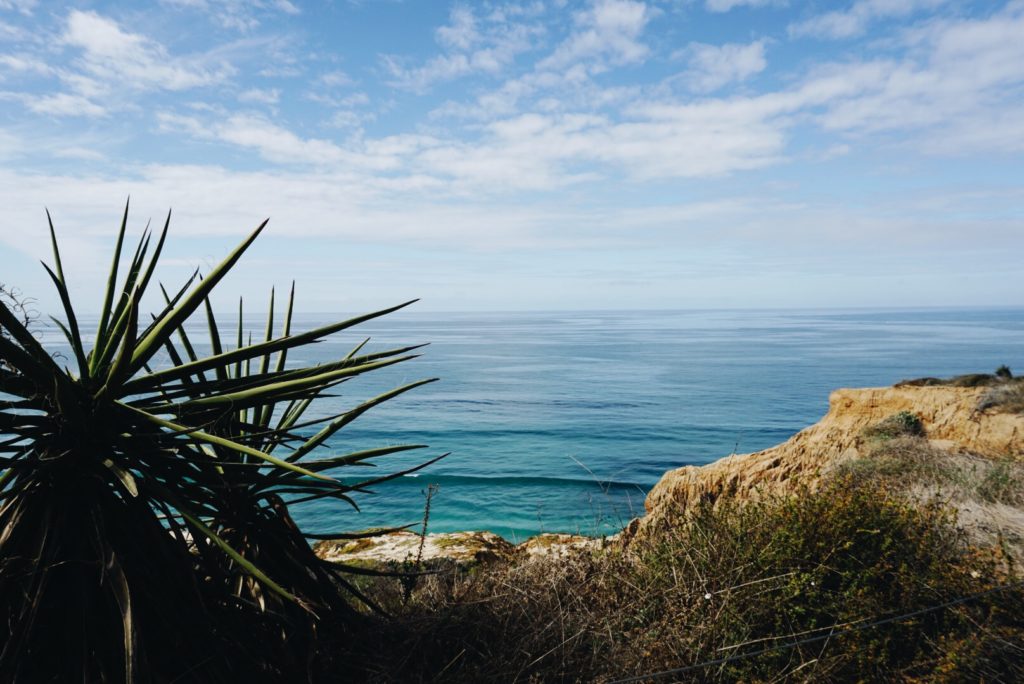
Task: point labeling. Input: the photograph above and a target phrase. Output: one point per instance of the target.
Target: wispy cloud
(260, 95)
(23, 6)
(607, 33)
(472, 45)
(726, 5)
(963, 68)
(240, 15)
(129, 60)
(714, 66)
(108, 68)
(63, 104)
(855, 20)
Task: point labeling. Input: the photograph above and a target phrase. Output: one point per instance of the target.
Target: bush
(727, 580)
(902, 424)
(974, 380)
(1002, 374)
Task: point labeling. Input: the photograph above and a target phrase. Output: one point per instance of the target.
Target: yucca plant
(145, 532)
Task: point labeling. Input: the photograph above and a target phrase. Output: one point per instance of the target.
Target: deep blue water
(561, 422)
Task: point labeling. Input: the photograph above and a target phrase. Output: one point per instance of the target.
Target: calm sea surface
(561, 422)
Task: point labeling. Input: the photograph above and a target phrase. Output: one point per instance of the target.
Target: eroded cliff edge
(959, 438)
(955, 428)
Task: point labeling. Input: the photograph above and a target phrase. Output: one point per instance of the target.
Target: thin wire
(822, 637)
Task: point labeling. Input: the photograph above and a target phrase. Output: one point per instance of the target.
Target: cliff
(952, 423)
(954, 432)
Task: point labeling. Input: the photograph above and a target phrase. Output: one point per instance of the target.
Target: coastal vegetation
(900, 455)
(145, 532)
(851, 582)
(1005, 392)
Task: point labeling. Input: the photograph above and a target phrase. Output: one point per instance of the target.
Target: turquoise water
(561, 422)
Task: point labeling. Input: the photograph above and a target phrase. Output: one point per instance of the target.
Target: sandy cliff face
(949, 416)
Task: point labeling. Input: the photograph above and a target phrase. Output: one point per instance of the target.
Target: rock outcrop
(462, 548)
(948, 414)
(559, 545)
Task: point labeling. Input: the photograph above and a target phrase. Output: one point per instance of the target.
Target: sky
(605, 154)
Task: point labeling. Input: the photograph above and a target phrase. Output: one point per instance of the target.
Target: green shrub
(902, 424)
(973, 380)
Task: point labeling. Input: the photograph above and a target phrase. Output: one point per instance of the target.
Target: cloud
(78, 152)
(714, 66)
(130, 60)
(854, 21)
(335, 79)
(240, 15)
(562, 151)
(308, 204)
(604, 35)
(545, 152)
(472, 46)
(23, 6)
(952, 94)
(531, 151)
(966, 78)
(275, 143)
(462, 33)
(608, 33)
(24, 64)
(63, 104)
(112, 65)
(726, 5)
(322, 206)
(10, 145)
(261, 96)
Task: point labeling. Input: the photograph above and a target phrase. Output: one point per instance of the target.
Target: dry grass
(909, 463)
(720, 581)
(1007, 397)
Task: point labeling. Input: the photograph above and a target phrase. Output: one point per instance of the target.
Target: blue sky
(527, 155)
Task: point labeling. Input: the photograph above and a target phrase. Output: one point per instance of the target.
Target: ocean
(562, 421)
